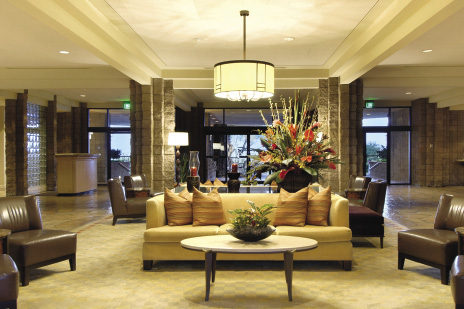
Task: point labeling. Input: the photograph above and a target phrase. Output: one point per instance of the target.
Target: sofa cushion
(218, 183)
(318, 206)
(207, 208)
(177, 233)
(291, 208)
(319, 233)
(178, 207)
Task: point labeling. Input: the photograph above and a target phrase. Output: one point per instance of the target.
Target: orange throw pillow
(207, 208)
(318, 207)
(178, 207)
(291, 208)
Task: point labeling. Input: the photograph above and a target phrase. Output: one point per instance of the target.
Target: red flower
(332, 165)
(274, 146)
(309, 135)
(284, 172)
(330, 150)
(298, 149)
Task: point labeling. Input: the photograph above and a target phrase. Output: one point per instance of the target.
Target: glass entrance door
(376, 155)
(120, 153)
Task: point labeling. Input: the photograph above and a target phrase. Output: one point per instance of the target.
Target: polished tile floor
(413, 207)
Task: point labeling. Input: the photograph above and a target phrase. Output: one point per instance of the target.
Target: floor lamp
(178, 139)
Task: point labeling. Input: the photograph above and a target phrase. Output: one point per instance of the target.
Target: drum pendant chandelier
(244, 80)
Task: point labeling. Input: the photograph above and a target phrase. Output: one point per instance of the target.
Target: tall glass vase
(194, 163)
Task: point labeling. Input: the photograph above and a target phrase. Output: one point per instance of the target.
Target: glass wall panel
(399, 116)
(119, 118)
(399, 157)
(36, 147)
(98, 118)
(247, 117)
(375, 117)
(214, 117)
(376, 156)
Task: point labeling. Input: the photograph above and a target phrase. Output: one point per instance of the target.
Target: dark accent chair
(435, 247)
(357, 187)
(9, 282)
(122, 207)
(29, 245)
(457, 272)
(366, 220)
(137, 186)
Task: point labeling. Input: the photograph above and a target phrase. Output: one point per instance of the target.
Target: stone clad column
(152, 118)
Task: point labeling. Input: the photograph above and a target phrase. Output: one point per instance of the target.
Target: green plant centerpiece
(251, 224)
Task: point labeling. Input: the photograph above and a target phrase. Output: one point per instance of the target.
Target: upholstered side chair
(438, 246)
(457, 272)
(29, 244)
(137, 186)
(122, 207)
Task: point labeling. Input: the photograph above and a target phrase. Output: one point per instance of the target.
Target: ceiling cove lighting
(244, 80)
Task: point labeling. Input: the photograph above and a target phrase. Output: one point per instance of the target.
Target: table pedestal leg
(288, 262)
(210, 267)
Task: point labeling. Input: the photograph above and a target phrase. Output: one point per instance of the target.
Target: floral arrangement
(292, 142)
(253, 217)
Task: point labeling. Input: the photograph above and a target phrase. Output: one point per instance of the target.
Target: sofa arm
(339, 212)
(156, 215)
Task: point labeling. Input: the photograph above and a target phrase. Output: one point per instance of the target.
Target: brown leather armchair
(435, 247)
(9, 282)
(122, 207)
(457, 272)
(137, 186)
(357, 187)
(366, 219)
(29, 245)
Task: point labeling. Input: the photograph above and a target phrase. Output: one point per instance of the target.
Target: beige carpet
(109, 275)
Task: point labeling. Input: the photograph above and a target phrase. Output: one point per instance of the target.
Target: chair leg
(114, 220)
(24, 274)
(381, 241)
(401, 259)
(72, 262)
(147, 264)
(445, 274)
(12, 304)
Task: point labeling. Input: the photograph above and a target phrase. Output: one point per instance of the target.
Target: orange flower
(307, 159)
(265, 157)
(316, 125)
(292, 128)
(298, 149)
(309, 135)
(276, 122)
(332, 165)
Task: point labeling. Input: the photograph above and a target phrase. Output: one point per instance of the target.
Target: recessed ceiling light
(198, 39)
(248, 110)
(427, 51)
(217, 121)
(83, 95)
(408, 92)
(289, 39)
(368, 114)
(64, 52)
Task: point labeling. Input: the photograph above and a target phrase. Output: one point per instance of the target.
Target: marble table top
(229, 244)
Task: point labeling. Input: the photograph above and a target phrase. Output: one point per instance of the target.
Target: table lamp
(178, 139)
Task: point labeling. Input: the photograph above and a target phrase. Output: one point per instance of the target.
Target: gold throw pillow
(207, 208)
(291, 208)
(178, 207)
(318, 207)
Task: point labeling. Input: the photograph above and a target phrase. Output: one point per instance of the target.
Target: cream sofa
(162, 242)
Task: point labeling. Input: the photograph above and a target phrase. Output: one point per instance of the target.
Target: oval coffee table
(212, 245)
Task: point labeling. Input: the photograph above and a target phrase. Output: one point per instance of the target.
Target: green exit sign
(126, 105)
(369, 104)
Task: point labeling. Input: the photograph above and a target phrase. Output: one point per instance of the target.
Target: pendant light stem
(244, 14)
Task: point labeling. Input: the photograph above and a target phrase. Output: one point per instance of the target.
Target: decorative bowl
(249, 233)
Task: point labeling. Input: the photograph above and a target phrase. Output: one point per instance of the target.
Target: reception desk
(76, 172)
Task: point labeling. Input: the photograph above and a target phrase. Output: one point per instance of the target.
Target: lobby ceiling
(111, 42)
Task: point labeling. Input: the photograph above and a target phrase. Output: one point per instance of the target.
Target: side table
(4, 233)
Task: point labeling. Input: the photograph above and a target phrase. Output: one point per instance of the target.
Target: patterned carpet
(109, 275)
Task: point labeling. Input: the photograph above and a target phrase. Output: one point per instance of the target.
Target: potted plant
(251, 224)
(293, 146)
